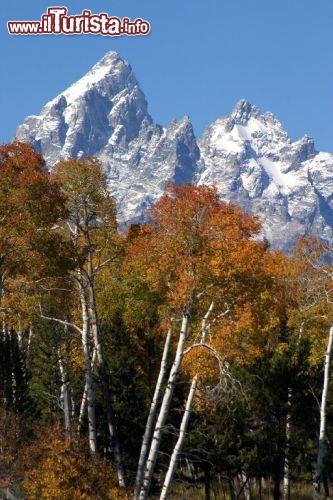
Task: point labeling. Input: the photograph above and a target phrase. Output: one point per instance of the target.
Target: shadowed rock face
(247, 155)
(253, 162)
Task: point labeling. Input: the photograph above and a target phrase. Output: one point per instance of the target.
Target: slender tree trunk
(286, 465)
(186, 416)
(27, 354)
(164, 410)
(20, 337)
(260, 487)
(245, 486)
(208, 482)
(181, 437)
(13, 361)
(318, 477)
(146, 441)
(191, 470)
(277, 480)
(88, 368)
(165, 406)
(83, 404)
(325, 484)
(111, 419)
(231, 484)
(65, 394)
(22, 351)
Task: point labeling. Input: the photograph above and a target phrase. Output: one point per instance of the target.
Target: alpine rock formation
(105, 115)
(254, 164)
(247, 155)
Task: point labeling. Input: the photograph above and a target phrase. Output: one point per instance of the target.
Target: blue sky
(199, 59)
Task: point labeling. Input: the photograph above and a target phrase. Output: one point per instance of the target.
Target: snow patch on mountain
(254, 163)
(105, 115)
(247, 154)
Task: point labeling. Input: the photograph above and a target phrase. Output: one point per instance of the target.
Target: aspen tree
(195, 250)
(91, 226)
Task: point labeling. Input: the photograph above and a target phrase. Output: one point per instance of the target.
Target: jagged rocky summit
(247, 155)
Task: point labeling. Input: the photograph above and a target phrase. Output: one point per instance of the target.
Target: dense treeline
(179, 357)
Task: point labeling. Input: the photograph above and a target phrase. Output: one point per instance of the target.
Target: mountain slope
(253, 162)
(105, 115)
(247, 155)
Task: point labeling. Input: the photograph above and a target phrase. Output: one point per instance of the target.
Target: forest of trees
(177, 358)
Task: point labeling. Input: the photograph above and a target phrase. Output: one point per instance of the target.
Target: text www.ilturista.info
(57, 22)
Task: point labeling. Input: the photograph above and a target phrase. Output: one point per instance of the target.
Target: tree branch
(61, 321)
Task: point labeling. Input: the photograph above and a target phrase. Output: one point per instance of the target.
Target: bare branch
(201, 345)
(204, 327)
(73, 230)
(99, 266)
(61, 321)
(200, 294)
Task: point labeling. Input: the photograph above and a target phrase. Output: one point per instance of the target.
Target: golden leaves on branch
(60, 469)
(197, 249)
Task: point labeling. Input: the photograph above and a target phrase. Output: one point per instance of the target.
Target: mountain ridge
(246, 154)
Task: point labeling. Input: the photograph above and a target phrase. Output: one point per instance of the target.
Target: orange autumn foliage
(197, 250)
(30, 204)
(59, 469)
(311, 313)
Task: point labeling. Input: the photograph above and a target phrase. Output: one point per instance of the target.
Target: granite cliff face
(251, 159)
(247, 155)
(105, 115)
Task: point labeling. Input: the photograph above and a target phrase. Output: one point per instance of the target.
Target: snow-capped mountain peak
(81, 119)
(110, 66)
(105, 114)
(247, 154)
(254, 163)
(242, 112)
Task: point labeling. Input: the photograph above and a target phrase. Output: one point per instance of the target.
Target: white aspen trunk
(204, 327)
(10, 391)
(94, 323)
(88, 368)
(83, 404)
(82, 409)
(286, 465)
(191, 470)
(65, 394)
(183, 426)
(181, 437)
(10, 495)
(29, 346)
(322, 430)
(152, 416)
(164, 410)
(12, 363)
(23, 356)
(20, 336)
(246, 486)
